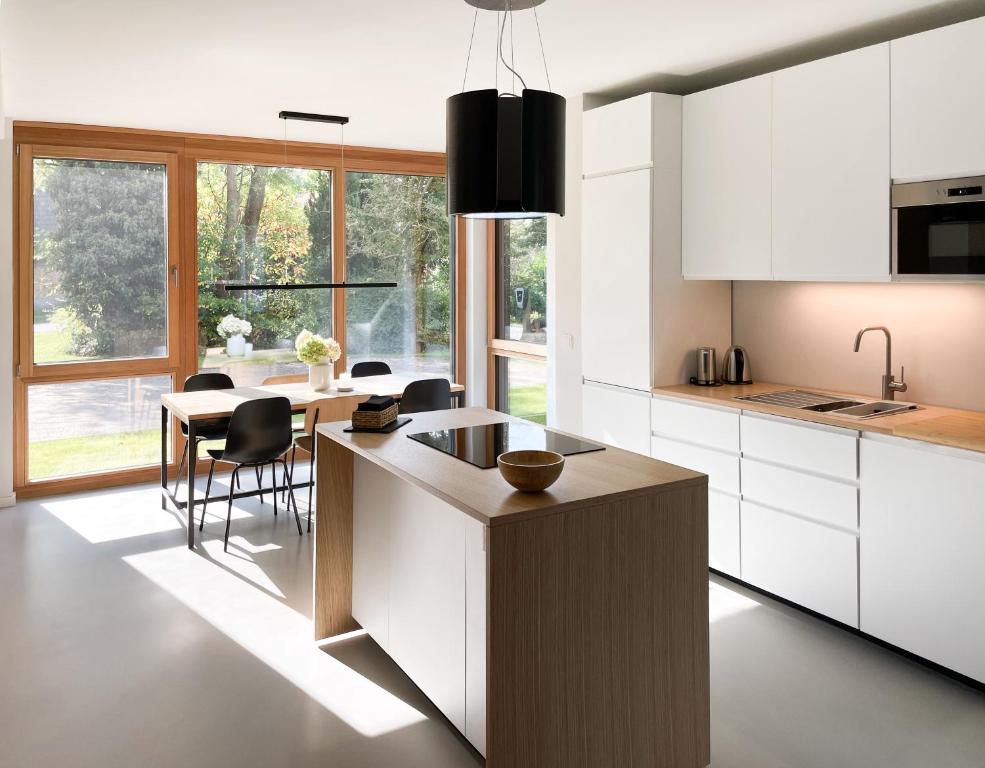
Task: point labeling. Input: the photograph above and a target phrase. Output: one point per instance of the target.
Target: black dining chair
(370, 368)
(426, 395)
(207, 429)
(259, 434)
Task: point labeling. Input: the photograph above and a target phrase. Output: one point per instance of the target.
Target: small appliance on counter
(707, 368)
(735, 369)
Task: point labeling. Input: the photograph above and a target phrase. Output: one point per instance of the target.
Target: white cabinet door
(619, 417)
(938, 113)
(726, 177)
(427, 595)
(616, 279)
(922, 567)
(475, 633)
(693, 423)
(724, 550)
(618, 136)
(372, 510)
(831, 168)
(810, 564)
(801, 445)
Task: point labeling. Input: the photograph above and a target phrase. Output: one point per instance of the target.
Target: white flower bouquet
(313, 349)
(231, 325)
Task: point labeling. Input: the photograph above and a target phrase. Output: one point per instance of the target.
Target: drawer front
(828, 501)
(794, 444)
(722, 468)
(723, 533)
(695, 423)
(809, 564)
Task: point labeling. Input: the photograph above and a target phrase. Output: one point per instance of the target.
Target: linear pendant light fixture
(505, 152)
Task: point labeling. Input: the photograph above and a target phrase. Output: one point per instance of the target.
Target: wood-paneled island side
(567, 628)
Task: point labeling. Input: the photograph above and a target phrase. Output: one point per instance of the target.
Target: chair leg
(229, 511)
(311, 481)
(259, 474)
(181, 466)
(273, 484)
(290, 488)
(208, 487)
(288, 478)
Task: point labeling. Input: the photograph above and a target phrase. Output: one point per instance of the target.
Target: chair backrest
(287, 378)
(426, 395)
(200, 382)
(259, 431)
(330, 409)
(370, 368)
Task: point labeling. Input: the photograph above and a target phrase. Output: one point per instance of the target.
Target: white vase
(236, 346)
(320, 376)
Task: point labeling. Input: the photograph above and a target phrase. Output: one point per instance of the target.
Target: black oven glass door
(941, 239)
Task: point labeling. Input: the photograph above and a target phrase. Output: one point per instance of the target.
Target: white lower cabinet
(922, 567)
(724, 551)
(616, 416)
(419, 590)
(808, 563)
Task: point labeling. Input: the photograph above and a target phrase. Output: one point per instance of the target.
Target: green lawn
(94, 453)
(529, 402)
(53, 346)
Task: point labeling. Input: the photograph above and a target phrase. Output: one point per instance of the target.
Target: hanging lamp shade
(505, 154)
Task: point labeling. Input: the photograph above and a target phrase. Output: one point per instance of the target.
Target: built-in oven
(939, 230)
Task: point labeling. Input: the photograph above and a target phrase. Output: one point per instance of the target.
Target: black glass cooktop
(481, 445)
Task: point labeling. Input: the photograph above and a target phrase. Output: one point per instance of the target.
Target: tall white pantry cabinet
(640, 320)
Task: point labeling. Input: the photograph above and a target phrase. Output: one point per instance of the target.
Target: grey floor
(120, 647)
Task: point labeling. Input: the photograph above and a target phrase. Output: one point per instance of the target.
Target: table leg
(460, 398)
(164, 457)
(192, 461)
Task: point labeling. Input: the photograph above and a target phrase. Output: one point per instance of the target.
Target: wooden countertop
(483, 493)
(931, 423)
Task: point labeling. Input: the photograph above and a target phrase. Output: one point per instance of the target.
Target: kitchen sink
(836, 405)
(871, 410)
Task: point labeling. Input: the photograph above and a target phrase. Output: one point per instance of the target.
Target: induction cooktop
(482, 444)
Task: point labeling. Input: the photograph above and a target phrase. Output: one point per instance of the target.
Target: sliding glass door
(98, 335)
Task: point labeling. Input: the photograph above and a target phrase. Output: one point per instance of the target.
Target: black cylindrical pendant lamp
(505, 154)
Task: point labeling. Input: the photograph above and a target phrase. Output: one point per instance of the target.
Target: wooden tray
(391, 427)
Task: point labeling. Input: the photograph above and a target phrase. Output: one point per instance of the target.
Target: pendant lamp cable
(542, 54)
(502, 30)
(468, 56)
(496, 56)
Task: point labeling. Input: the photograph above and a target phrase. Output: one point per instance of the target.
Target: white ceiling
(228, 66)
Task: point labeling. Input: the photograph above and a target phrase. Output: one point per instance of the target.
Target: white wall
(802, 333)
(6, 310)
(475, 312)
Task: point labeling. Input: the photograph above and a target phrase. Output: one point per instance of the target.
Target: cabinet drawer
(723, 533)
(722, 468)
(828, 501)
(827, 450)
(809, 564)
(714, 427)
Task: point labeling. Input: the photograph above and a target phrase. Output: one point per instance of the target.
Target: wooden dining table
(191, 408)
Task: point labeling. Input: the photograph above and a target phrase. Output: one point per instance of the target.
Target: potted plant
(319, 354)
(233, 330)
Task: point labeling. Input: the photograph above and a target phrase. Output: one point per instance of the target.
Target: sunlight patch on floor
(277, 635)
(723, 602)
(113, 516)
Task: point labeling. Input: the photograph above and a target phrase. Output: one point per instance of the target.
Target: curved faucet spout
(889, 385)
(884, 329)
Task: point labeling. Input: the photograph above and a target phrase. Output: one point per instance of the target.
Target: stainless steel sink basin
(871, 410)
(837, 405)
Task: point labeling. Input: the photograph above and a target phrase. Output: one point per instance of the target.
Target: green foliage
(526, 249)
(101, 235)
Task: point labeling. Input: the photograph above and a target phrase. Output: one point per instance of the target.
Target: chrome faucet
(889, 384)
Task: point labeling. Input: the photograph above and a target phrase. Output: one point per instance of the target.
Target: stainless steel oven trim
(923, 193)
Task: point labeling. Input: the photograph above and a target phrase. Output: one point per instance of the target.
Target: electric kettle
(735, 369)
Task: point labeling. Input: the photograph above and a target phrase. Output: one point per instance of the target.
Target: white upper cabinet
(631, 134)
(615, 287)
(726, 177)
(831, 168)
(938, 79)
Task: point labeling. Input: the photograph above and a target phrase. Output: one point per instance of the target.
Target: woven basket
(374, 419)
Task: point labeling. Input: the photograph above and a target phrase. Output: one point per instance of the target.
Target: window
(262, 224)
(397, 229)
(518, 318)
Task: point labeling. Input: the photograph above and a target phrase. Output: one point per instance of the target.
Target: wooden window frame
(496, 347)
(182, 151)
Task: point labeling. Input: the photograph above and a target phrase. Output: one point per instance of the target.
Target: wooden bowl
(530, 471)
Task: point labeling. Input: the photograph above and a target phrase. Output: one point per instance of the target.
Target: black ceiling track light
(505, 151)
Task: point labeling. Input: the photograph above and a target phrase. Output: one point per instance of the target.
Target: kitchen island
(564, 628)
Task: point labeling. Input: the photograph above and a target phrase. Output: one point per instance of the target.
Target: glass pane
(100, 260)
(521, 284)
(81, 427)
(259, 224)
(397, 229)
(521, 388)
